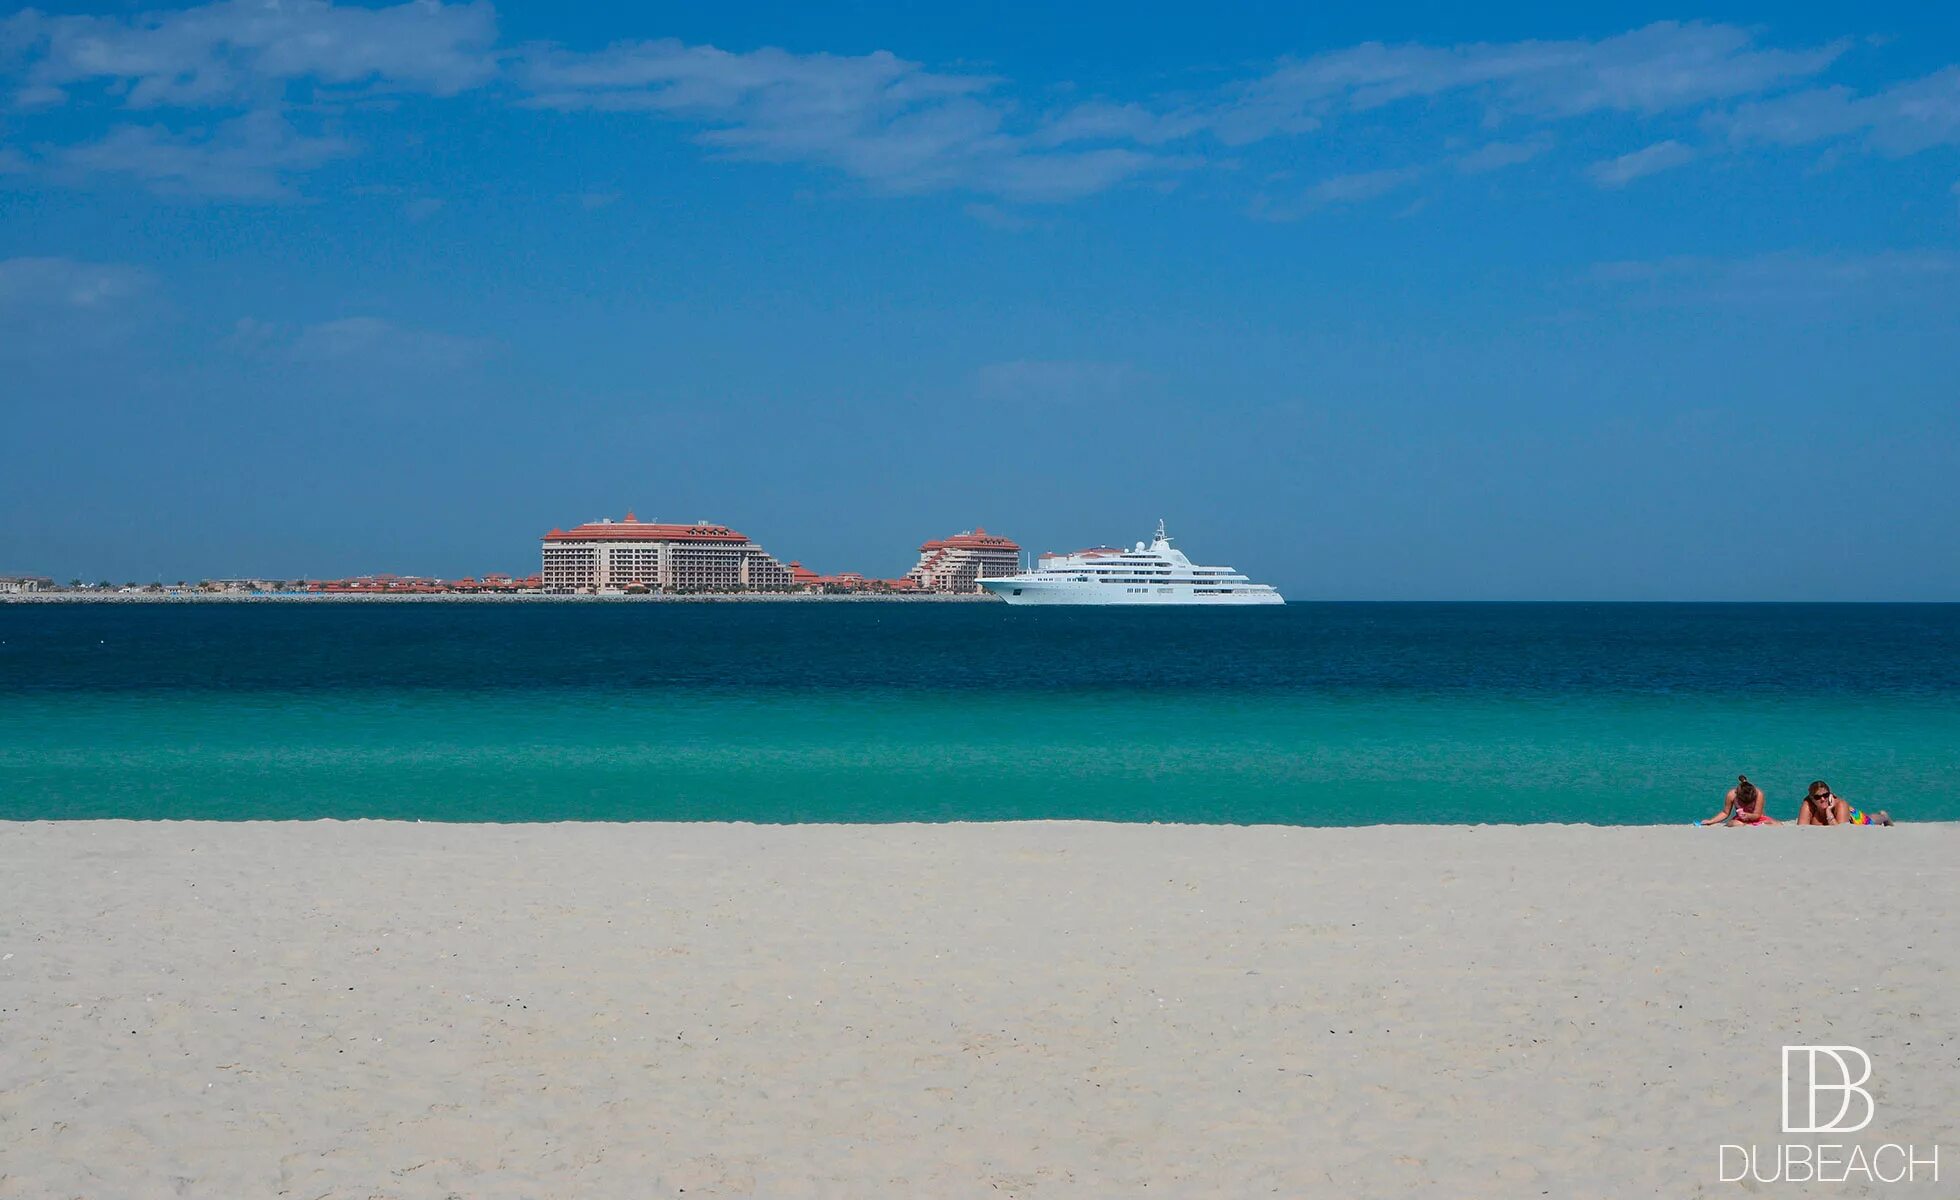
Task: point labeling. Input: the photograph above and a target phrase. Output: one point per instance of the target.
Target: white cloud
(370, 342)
(995, 217)
(246, 158)
(1103, 121)
(877, 118)
(1495, 156)
(356, 344)
(1792, 120)
(40, 285)
(1663, 67)
(1354, 187)
(1056, 177)
(1660, 68)
(34, 96)
(1900, 120)
(668, 73)
(56, 308)
(1362, 185)
(1661, 156)
(896, 126)
(232, 51)
(1784, 277)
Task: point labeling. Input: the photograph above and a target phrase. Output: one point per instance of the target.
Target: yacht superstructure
(1153, 574)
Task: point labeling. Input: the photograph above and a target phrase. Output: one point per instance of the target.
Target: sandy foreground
(375, 1009)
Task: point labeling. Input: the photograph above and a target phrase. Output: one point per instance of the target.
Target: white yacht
(1153, 574)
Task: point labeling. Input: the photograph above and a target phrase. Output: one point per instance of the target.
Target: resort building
(493, 584)
(25, 583)
(960, 562)
(610, 555)
(807, 580)
(379, 585)
(418, 585)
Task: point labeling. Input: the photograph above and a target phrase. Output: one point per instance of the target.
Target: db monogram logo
(1818, 1079)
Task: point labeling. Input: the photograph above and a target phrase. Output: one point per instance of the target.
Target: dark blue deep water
(1308, 714)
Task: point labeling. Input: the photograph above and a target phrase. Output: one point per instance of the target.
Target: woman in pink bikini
(1742, 806)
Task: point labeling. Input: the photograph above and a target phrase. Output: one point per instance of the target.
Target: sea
(1307, 714)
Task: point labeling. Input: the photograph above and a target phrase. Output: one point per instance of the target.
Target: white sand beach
(377, 1009)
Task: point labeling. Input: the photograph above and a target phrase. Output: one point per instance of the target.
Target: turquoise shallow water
(1311, 714)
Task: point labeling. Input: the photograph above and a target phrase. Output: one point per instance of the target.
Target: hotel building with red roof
(960, 562)
(611, 555)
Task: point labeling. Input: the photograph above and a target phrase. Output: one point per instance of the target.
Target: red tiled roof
(632, 529)
(979, 539)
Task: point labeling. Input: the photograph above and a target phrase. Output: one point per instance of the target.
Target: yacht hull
(1101, 595)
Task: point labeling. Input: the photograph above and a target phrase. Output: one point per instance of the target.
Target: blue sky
(1503, 301)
